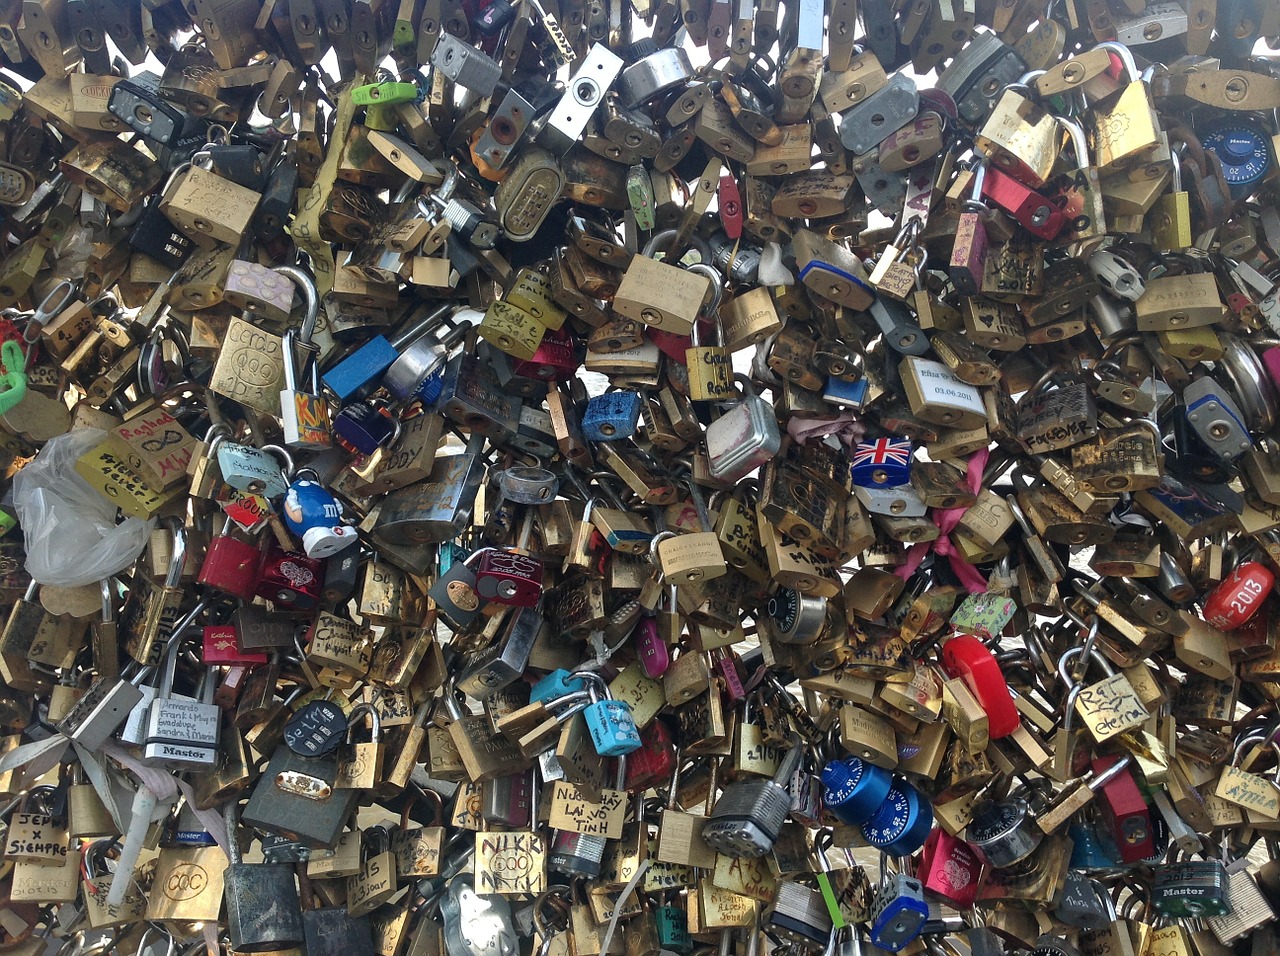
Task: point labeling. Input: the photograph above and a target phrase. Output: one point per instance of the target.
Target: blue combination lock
(853, 789)
(882, 462)
(1245, 154)
(902, 823)
(611, 416)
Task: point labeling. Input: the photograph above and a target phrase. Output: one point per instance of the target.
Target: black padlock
(156, 236)
(277, 200)
(86, 28)
(242, 165)
(341, 572)
(138, 104)
(330, 931)
(295, 798)
(263, 909)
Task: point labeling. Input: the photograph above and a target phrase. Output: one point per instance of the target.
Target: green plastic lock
(384, 94)
(13, 383)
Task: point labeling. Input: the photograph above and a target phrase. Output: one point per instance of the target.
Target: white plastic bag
(70, 530)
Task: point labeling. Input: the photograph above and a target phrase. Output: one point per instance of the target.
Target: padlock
(263, 910)
(898, 912)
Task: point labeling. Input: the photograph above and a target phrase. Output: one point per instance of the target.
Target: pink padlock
(651, 649)
(1271, 359)
(950, 868)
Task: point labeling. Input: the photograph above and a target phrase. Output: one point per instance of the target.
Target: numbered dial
(1244, 154)
(902, 823)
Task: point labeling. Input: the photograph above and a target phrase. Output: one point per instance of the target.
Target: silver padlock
(887, 110)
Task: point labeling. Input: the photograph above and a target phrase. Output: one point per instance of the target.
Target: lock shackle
(425, 321)
(572, 703)
(281, 452)
(1071, 653)
(664, 238)
(375, 719)
(106, 584)
(428, 795)
(55, 300)
(975, 203)
(1237, 752)
(709, 309)
(1078, 142)
(289, 348)
(1249, 381)
(306, 284)
(1099, 780)
(178, 557)
(657, 540)
(171, 948)
(790, 761)
(557, 896)
(1126, 58)
(231, 817)
(94, 864)
(593, 679)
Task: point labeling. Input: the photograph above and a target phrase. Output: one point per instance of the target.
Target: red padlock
(231, 566)
(949, 867)
(730, 207)
(1239, 597)
(1034, 212)
(671, 345)
(291, 579)
(556, 359)
(967, 657)
(509, 577)
(221, 646)
(1125, 813)
(655, 762)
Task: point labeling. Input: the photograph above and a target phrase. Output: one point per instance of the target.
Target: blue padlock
(365, 426)
(613, 729)
(357, 375)
(315, 515)
(559, 683)
(882, 462)
(845, 394)
(361, 372)
(853, 789)
(611, 416)
(902, 823)
(899, 912)
(1089, 851)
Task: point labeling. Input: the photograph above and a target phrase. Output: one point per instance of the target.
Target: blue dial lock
(1245, 154)
(853, 789)
(902, 823)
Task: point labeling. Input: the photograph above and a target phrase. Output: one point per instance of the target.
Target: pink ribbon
(845, 427)
(946, 519)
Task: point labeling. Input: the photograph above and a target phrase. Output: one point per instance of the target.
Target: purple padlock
(315, 515)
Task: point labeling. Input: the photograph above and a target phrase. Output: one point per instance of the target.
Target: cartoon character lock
(315, 515)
